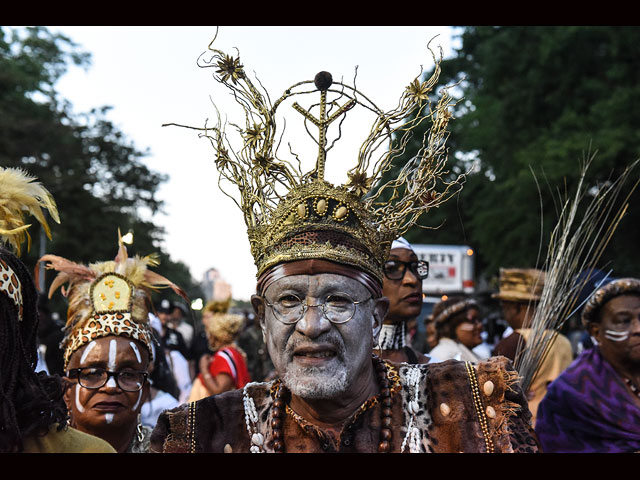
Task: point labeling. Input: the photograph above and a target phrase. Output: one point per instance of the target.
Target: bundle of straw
(575, 246)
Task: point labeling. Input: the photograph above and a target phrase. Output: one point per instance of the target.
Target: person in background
(403, 276)
(227, 368)
(594, 405)
(459, 326)
(519, 291)
(33, 417)
(175, 347)
(164, 392)
(178, 320)
(49, 337)
(252, 344)
(199, 347)
(172, 339)
(108, 344)
(431, 335)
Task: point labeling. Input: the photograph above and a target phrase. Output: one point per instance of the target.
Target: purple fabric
(588, 409)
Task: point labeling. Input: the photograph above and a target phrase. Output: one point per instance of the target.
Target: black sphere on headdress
(323, 80)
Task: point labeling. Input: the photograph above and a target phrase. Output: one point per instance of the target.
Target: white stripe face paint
(79, 406)
(113, 351)
(136, 351)
(467, 327)
(616, 336)
(86, 351)
(138, 401)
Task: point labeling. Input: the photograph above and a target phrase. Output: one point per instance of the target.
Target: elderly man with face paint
(594, 405)
(319, 250)
(108, 346)
(403, 276)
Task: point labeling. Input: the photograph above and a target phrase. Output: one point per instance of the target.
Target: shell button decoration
(111, 293)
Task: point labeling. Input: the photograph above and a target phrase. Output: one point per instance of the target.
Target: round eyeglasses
(336, 307)
(94, 378)
(395, 269)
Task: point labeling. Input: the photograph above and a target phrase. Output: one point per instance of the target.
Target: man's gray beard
(318, 383)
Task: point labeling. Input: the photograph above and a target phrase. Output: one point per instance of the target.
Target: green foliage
(537, 100)
(95, 174)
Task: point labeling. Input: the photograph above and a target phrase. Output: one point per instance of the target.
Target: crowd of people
(326, 361)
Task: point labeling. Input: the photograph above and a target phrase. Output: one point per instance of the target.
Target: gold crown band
(315, 266)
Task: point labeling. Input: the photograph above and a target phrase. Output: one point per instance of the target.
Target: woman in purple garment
(594, 405)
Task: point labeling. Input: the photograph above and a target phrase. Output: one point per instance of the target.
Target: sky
(150, 77)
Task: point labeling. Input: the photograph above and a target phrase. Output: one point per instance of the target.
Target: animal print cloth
(10, 285)
(105, 324)
(446, 418)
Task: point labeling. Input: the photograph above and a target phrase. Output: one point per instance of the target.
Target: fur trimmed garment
(447, 416)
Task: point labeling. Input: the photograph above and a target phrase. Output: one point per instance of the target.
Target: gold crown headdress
(107, 298)
(292, 215)
(20, 194)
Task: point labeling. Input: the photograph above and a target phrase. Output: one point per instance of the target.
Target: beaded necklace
(632, 387)
(279, 408)
(392, 336)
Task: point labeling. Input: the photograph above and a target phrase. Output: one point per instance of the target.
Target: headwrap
(401, 242)
(454, 309)
(605, 293)
(315, 266)
(107, 298)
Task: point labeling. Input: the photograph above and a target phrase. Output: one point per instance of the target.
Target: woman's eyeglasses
(395, 269)
(94, 378)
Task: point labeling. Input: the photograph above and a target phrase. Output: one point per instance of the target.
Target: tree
(95, 174)
(536, 101)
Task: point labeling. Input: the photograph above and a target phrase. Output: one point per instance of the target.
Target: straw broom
(575, 246)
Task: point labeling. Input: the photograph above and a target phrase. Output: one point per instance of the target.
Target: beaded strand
(477, 400)
(386, 434)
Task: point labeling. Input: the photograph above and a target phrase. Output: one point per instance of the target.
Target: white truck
(451, 270)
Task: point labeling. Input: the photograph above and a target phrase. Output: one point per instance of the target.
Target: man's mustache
(330, 338)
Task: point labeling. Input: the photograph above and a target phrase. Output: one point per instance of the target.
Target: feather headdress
(22, 194)
(107, 298)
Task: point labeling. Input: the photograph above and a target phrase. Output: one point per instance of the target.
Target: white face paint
(468, 327)
(138, 401)
(616, 336)
(113, 351)
(79, 406)
(136, 351)
(86, 352)
(108, 417)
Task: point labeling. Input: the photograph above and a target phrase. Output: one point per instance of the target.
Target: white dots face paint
(108, 417)
(113, 351)
(88, 348)
(616, 336)
(136, 351)
(79, 406)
